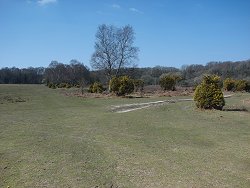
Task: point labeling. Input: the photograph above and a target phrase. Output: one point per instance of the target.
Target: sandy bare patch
(137, 106)
(246, 102)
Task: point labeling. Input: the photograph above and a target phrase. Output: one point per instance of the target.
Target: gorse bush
(96, 88)
(68, 85)
(60, 85)
(208, 94)
(114, 84)
(126, 85)
(229, 84)
(121, 85)
(138, 85)
(248, 86)
(240, 85)
(64, 85)
(51, 85)
(168, 82)
(235, 85)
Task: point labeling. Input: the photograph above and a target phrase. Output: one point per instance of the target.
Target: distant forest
(76, 73)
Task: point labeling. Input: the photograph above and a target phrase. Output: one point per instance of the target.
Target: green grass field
(48, 139)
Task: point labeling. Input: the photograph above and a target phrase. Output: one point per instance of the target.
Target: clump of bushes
(168, 82)
(229, 84)
(52, 85)
(208, 94)
(121, 85)
(60, 85)
(235, 85)
(96, 87)
(240, 85)
(248, 86)
(64, 85)
(138, 85)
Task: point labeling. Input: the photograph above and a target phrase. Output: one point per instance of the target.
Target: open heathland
(49, 139)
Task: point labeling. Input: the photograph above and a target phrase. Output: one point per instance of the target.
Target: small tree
(208, 94)
(122, 85)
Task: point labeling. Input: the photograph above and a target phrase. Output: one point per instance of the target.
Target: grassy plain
(53, 140)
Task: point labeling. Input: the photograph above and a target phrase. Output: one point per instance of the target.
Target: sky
(168, 32)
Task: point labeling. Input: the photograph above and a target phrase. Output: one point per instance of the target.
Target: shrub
(52, 85)
(126, 85)
(240, 85)
(168, 82)
(121, 85)
(96, 88)
(68, 85)
(248, 86)
(114, 84)
(138, 85)
(208, 94)
(235, 85)
(62, 85)
(229, 84)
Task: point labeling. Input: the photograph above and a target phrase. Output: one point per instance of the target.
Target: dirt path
(137, 106)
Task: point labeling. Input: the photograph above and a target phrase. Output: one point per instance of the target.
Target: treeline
(76, 73)
(150, 76)
(21, 76)
(73, 74)
(193, 74)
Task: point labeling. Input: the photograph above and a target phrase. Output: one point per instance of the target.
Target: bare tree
(114, 49)
(126, 52)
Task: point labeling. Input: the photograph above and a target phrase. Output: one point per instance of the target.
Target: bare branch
(114, 49)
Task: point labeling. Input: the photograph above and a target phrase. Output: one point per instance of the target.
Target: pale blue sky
(168, 32)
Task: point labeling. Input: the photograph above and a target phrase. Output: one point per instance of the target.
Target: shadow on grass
(11, 99)
(235, 108)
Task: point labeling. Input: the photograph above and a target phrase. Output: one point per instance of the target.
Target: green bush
(229, 84)
(168, 82)
(235, 85)
(49, 85)
(121, 85)
(68, 85)
(52, 85)
(240, 85)
(248, 86)
(138, 85)
(62, 85)
(114, 84)
(96, 88)
(208, 94)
